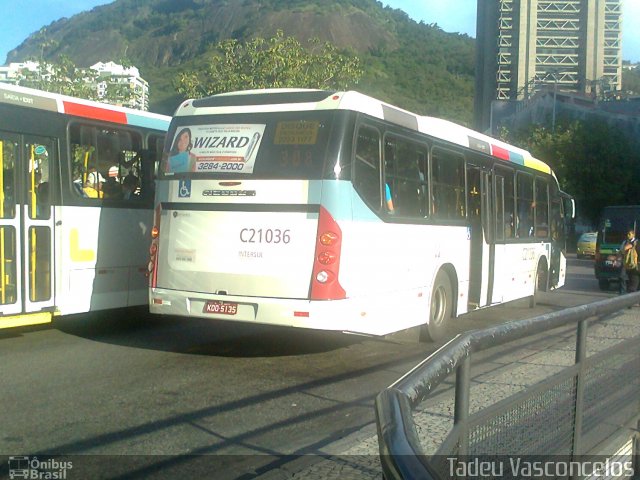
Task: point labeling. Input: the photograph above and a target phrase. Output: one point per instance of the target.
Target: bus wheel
(440, 311)
(540, 284)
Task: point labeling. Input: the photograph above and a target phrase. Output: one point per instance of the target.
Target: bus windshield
(616, 222)
(286, 145)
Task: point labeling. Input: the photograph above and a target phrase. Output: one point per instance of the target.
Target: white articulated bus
(336, 211)
(76, 204)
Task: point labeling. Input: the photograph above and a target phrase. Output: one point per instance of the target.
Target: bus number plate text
(222, 308)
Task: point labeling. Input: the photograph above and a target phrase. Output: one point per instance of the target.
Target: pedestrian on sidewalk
(629, 253)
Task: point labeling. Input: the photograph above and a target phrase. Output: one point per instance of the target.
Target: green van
(615, 222)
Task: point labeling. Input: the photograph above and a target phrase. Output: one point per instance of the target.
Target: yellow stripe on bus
(25, 319)
(536, 164)
(79, 254)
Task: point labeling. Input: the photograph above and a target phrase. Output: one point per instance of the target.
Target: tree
(279, 62)
(594, 161)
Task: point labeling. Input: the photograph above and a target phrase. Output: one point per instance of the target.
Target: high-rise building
(524, 46)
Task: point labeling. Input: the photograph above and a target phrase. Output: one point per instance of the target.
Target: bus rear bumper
(369, 315)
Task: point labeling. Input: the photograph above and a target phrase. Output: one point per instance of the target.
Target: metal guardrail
(585, 393)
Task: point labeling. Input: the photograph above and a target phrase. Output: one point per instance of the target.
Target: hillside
(416, 66)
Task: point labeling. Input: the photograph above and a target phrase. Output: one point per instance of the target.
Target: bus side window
(410, 191)
(103, 157)
(500, 218)
(402, 177)
(366, 179)
(509, 202)
(526, 205)
(389, 176)
(542, 208)
(448, 185)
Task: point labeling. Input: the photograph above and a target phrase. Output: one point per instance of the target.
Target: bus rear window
(290, 145)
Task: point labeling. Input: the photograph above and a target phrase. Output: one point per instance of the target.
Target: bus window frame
(423, 183)
(509, 173)
(354, 172)
(137, 136)
(438, 147)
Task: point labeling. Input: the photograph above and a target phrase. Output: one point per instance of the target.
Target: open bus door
(563, 210)
(482, 227)
(26, 230)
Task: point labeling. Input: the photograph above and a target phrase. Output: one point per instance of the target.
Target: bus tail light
(326, 265)
(153, 250)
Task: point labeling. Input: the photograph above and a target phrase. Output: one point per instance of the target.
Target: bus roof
(280, 100)
(55, 102)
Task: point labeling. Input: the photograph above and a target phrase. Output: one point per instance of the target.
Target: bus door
(26, 226)
(489, 229)
(503, 229)
(479, 200)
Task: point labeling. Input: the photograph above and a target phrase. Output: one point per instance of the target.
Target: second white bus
(336, 211)
(76, 200)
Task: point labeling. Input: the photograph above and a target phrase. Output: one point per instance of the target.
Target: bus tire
(539, 284)
(440, 309)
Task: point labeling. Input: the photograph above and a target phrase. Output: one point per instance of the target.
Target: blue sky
(28, 16)
(460, 16)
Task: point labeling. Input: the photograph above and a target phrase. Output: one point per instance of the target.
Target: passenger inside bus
(525, 219)
(130, 187)
(388, 198)
(93, 185)
(112, 189)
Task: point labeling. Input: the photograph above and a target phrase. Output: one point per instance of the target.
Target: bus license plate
(222, 308)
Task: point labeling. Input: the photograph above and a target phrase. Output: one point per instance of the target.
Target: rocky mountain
(413, 65)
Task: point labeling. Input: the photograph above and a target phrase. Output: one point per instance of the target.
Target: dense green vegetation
(594, 161)
(415, 66)
(278, 62)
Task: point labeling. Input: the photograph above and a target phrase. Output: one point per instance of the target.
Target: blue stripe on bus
(343, 203)
(148, 122)
(516, 158)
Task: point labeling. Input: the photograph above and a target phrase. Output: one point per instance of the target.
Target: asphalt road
(145, 397)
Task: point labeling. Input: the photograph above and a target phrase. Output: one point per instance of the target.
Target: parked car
(587, 245)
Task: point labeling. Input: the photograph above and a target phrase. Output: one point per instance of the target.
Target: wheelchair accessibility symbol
(184, 189)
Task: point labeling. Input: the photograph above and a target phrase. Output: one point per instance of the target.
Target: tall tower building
(524, 46)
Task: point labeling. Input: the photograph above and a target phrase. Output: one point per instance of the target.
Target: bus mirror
(573, 208)
(569, 205)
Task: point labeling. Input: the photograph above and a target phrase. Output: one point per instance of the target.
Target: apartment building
(112, 83)
(525, 46)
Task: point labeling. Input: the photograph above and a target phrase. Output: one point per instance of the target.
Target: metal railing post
(581, 355)
(635, 450)
(461, 408)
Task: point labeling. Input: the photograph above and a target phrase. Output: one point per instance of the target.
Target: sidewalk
(495, 376)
